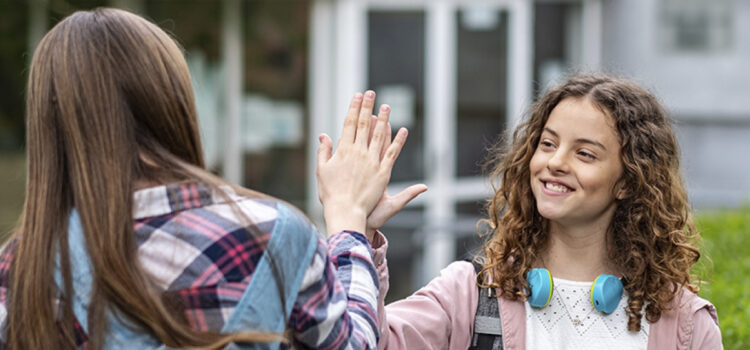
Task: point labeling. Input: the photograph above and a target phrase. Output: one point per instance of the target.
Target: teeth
(555, 187)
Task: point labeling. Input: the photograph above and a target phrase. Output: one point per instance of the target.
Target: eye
(546, 144)
(586, 155)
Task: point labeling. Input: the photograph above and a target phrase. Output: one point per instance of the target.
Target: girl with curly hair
(591, 238)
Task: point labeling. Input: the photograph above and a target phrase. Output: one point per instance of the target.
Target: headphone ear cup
(606, 293)
(540, 287)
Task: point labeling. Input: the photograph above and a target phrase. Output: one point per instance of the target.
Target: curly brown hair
(655, 235)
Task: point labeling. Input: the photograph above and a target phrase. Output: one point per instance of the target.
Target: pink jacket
(441, 315)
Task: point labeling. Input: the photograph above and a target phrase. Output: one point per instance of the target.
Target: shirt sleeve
(335, 308)
(438, 316)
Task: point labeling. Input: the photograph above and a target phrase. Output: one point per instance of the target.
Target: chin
(549, 213)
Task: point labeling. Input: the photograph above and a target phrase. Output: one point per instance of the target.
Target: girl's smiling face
(576, 165)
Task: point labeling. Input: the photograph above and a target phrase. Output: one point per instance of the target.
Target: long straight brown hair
(109, 103)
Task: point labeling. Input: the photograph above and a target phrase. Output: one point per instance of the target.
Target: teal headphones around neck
(606, 290)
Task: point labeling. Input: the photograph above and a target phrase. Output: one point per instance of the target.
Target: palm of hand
(352, 182)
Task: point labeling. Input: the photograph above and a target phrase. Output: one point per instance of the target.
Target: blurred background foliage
(13, 58)
(725, 266)
(13, 179)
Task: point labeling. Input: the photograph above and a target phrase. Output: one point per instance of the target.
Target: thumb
(324, 149)
(404, 197)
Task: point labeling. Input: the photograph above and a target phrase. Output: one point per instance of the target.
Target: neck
(577, 253)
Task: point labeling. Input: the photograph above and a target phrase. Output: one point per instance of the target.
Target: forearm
(337, 310)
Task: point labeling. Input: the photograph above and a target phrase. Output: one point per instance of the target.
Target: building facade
(459, 73)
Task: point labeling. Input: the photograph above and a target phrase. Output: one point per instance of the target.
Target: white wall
(715, 84)
(707, 93)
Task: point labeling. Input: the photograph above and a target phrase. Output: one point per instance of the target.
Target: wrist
(370, 233)
(345, 218)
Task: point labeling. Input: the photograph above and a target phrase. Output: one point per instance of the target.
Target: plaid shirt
(193, 244)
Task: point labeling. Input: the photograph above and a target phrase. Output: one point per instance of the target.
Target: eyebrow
(579, 140)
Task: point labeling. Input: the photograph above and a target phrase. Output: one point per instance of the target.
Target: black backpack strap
(488, 331)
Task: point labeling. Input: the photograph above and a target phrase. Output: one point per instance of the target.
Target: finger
(324, 149)
(324, 154)
(378, 136)
(373, 124)
(404, 197)
(388, 137)
(391, 154)
(350, 122)
(365, 114)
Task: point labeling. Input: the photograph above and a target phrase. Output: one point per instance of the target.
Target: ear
(620, 191)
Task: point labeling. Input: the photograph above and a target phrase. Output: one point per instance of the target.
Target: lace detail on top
(571, 322)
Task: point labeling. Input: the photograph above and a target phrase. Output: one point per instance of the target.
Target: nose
(558, 162)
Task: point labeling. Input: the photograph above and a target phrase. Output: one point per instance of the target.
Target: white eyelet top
(571, 322)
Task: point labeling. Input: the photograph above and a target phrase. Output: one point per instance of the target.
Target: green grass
(726, 237)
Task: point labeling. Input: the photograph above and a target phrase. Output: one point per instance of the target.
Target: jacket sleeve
(706, 333)
(438, 316)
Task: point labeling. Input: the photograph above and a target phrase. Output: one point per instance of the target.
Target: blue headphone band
(606, 290)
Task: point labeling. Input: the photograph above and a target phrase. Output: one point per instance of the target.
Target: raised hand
(352, 181)
(390, 205)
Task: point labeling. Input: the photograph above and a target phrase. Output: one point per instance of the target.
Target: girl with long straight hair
(127, 241)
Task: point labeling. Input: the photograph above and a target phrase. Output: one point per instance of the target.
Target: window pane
(696, 25)
(396, 72)
(557, 41)
(482, 80)
(468, 241)
(406, 235)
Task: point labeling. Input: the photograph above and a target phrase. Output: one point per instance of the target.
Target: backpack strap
(488, 331)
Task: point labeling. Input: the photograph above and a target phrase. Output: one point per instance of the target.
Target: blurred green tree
(726, 270)
(13, 57)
